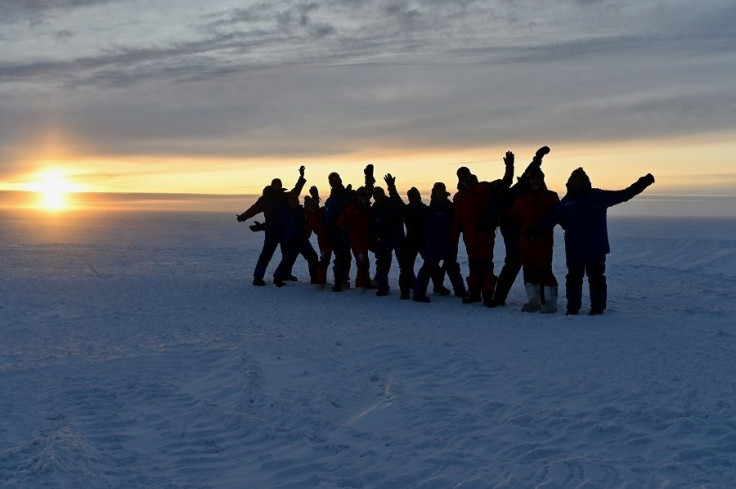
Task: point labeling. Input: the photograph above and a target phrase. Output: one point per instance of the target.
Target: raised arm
(370, 180)
(392, 192)
(299, 183)
(614, 197)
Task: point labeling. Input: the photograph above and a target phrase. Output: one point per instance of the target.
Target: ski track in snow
(139, 355)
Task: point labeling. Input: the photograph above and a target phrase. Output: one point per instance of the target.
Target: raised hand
(509, 158)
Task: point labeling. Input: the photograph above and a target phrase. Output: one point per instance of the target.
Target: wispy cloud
(324, 77)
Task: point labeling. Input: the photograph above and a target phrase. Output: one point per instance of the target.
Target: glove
(390, 180)
(301, 171)
(509, 159)
(257, 226)
(646, 180)
(239, 217)
(537, 160)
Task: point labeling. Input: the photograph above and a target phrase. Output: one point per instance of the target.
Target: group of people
(373, 219)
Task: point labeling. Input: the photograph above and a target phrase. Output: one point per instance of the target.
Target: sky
(218, 97)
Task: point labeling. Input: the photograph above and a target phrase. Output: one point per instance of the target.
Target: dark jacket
(439, 217)
(583, 216)
(386, 223)
(274, 205)
(340, 198)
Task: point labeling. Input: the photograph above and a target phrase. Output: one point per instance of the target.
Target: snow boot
(534, 302)
(259, 282)
(442, 290)
(550, 300)
(421, 298)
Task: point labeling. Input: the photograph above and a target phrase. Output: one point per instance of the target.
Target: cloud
(326, 77)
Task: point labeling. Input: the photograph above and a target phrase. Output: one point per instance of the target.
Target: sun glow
(53, 189)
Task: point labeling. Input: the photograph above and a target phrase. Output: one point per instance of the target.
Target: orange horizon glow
(695, 165)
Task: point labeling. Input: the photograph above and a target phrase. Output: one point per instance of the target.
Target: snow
(136, 353)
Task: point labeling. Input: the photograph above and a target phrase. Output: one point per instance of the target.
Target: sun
(53, 189)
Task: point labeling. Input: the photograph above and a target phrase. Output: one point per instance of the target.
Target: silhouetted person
(582, 214)
(314, 214)
(340, 198)
(536, 246)
(274, 206)
(509, 228)
(356, 220)
(414, 215)
(475, 218)
(440, 247)
(389, 229)
(296, 238)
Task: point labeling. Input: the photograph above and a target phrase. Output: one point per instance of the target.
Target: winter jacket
(439, 217)
(387, 224)
(529, 210)
(274, 205)
(356, 220)
(476, 207)
(583, 216)
(340, 198)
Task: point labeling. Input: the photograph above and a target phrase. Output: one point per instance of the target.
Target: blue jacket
(583, 216)
(438, 225)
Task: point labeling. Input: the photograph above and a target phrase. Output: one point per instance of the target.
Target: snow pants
(362, 263)
(292, 252)
(594, 266)
(274, 236)
(384, 256)
(340, 243)
(479, 246)
(511, 263)
(431, 269)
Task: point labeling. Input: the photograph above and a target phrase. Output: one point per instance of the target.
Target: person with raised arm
(273, 203)
(582, 213)
(476, 218)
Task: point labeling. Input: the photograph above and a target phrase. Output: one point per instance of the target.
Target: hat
(439, 187)
(463, 171)
(579, 175)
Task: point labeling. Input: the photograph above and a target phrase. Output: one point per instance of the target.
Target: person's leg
(425, 272)
(362, 263)
(549, 289)
(574, 286)
(271, 240)
(533, 290)
(596, 269)
(383, 265)
(406, 256)
(511, 264)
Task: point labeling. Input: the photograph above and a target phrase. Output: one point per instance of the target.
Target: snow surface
(136, 353)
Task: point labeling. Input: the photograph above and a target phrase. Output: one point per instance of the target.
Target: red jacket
(529, 209)
(356, 221)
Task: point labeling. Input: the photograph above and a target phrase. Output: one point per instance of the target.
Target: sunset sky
(218, 97)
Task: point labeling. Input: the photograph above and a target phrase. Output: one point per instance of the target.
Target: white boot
(550, 301)
(534, 301)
